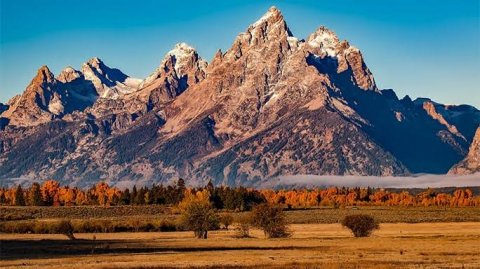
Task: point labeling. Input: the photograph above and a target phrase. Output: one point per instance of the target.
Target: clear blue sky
(421, 48)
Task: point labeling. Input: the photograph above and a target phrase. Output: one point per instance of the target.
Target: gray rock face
(270, 105)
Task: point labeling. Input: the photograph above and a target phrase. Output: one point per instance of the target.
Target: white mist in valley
(417, 181)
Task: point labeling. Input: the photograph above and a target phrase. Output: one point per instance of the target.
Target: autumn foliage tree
(198, 214)
(236, 199)
(49, 191)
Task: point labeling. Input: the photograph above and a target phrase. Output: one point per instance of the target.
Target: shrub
(41, 227)
(271, 219)
(53, 227)
(226, 219)
(89, 226)
(21, 227)
(146, 227)
(167, 226)
(360, 225)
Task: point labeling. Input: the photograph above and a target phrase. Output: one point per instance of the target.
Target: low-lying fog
(417, 181)
(299, 181)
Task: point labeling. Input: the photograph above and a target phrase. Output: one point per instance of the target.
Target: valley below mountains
(272, 105)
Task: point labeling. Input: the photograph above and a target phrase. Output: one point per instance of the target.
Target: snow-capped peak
(324, 39)
(110, 83)
(183, 58)
(68, 74)
(182, 52)
(69, 69)
(95, 61)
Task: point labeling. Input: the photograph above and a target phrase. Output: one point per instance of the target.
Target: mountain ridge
(271, 105)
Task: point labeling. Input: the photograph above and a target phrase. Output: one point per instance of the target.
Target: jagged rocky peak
(41, 86)
(182, 60)
(185, 57)
(69, 74)
(93, 68)
(181, 68)
(109, 82)
(271, 24)
(96, 62)
(268, 34)
(44, 75)
(325, 40)
(325, 43)
(32, 107)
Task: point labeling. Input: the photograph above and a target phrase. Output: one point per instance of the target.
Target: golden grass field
(395, 245)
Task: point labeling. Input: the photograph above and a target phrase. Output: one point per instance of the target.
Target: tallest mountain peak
(272, 15)
(273, 11)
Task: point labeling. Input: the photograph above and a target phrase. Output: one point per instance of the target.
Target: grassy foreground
(421, 245)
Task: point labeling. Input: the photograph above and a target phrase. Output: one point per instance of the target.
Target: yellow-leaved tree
(198, 214)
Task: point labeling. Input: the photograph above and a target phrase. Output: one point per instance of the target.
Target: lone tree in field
(198, 214)
(271, 219)
(360, 225)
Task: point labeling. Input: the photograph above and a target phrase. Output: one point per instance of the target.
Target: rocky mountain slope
(471, 163)
(271, 105)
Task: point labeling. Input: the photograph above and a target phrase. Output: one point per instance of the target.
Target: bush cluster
(360, 225)
(271, 219)
(87, 226)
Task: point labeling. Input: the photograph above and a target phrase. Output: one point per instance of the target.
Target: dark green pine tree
(133, 195)
(140, 198)
(3, 199)
(35, 195)
(125, 197)
(19, 196)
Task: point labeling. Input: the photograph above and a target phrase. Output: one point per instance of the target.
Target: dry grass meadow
(395, 245)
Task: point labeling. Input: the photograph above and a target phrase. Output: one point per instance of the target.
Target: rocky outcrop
(463, 118)
(471, 163)
(48, 98)
(109, 82)
(181, 68)
(342, 57)
(38, 104)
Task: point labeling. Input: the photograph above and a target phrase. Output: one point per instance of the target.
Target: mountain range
(271, 105)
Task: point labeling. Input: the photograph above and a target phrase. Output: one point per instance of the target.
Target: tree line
(51, 193)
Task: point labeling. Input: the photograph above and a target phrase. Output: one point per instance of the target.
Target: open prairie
(395, 245)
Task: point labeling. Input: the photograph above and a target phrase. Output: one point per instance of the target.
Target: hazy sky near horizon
(421, 48)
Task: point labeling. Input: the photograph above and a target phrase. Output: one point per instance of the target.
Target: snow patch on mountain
(182, 53)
